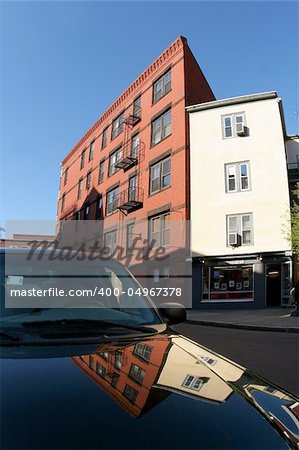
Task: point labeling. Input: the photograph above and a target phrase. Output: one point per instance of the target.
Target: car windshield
(78, 294)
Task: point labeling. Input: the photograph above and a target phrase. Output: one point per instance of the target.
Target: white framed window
(82, 161)
(208, 360)
(101, 370)
(135, 145)
(91, 151)
(233, 125)
(193, 382)
(114, 158)
(99, 206)
(160, 175)
(162, 86)
(161, 127)
(143, 351)
(112, 200)
(137, 109)
(79, 193)
(117, 125)
(239, 229)
(118, 360)
(159, 230)
(130, 393)
(63, 203)
(237, 177)
(133, 189)
(88, 180)
(101, 172)
(130, 237)
(137, 373)
(110, 239)
(104, 137)
(65, 176)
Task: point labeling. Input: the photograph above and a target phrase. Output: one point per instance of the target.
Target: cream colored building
(240, 208)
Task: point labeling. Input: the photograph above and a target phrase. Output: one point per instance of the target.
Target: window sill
(154, 102)
(157, 143)
(114, 137)
(152, 194)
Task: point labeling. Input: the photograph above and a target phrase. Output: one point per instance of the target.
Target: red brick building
(133, 162)
(127, 373)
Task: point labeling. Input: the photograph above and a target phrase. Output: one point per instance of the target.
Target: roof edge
(172, 49)
(233, 101)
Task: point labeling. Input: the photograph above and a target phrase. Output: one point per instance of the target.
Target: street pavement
(268, 319)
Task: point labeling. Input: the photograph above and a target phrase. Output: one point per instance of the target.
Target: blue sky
(63, 64)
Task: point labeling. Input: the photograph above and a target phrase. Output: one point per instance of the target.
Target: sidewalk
(269, 319)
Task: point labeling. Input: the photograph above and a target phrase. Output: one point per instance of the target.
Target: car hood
(163, 392)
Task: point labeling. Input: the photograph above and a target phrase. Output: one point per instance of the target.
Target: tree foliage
(295, 220)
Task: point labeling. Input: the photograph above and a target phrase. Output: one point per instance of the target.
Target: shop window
(225, 283)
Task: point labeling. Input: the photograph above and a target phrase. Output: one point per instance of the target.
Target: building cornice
(150, 71)
(232, 101)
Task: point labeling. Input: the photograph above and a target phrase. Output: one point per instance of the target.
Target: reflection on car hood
(159, 393)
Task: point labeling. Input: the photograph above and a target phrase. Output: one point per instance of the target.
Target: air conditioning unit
(234, 239)
(240, 129)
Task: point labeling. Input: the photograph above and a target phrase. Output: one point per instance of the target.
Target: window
(101, 172)
(160, 175)
(77, 218)
(63, 203)
(114, 158)
(227, 284)
(130, 393)
(137, 109)
(112, 200)
(88, 180)
(239, 230)
(161, 127)
(110, 240)
(80, 182)
(137, 373)
(117, 125)
(99, 207)
(118, 360)
(133, 189)
(65, 176)
(101, 370)
(233, 125)
(159, 228)
(91, 151)
(86, 211)
(237, 177)
(114, 379)
(104, 355)
(193, 382)
(104, 137)
(135, 145)
(208, 360)
(160, 274)
(162, 86)
(82, 159)
(91, 362)
(130, 238)
(143, 351)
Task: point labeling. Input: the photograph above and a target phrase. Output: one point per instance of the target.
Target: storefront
(255, 281)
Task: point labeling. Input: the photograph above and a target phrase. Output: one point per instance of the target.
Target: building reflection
(141, 375)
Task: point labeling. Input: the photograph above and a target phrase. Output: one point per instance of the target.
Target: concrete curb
(243, 326)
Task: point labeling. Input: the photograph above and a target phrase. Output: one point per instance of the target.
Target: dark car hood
(164, 392)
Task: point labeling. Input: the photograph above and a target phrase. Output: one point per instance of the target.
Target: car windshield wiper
(83, 323)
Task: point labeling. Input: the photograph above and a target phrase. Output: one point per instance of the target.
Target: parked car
(116, 376)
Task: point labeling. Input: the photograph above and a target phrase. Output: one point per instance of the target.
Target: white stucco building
(240, 207)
